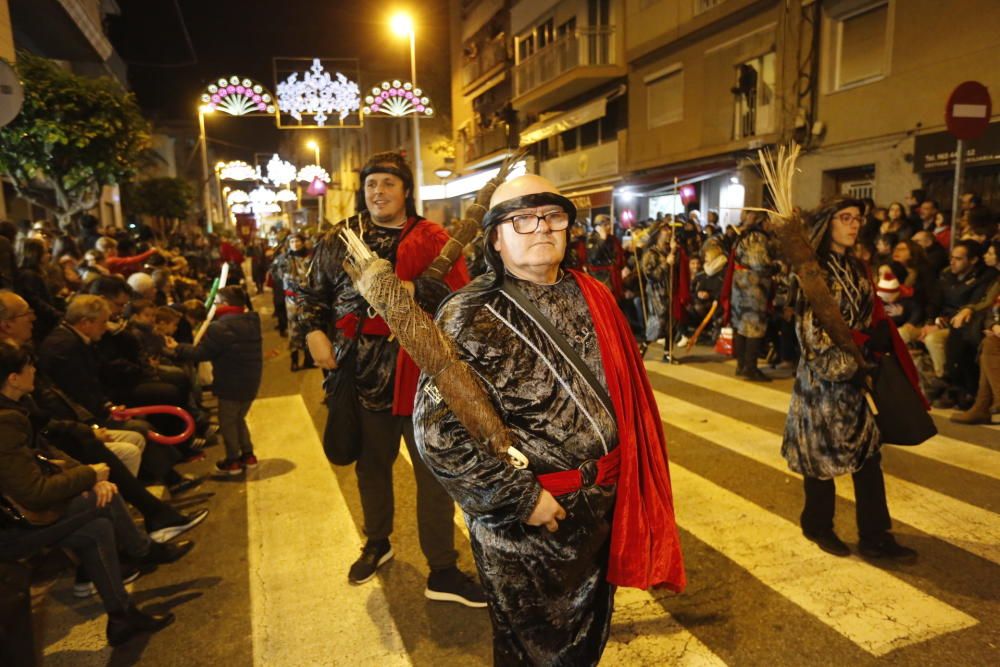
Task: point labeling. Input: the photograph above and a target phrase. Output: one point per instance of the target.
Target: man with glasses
(371, 381)
(589, 505)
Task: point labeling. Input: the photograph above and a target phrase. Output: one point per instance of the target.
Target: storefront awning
(662, 181)
(567, 120)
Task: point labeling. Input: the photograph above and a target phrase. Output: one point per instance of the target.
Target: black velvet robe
(550, 602)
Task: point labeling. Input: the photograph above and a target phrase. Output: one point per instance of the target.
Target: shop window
(665, 98)
(861, 45)
(753, 97)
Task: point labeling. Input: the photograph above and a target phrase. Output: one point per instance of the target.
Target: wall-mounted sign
(238, 97)
(936, 151)
(317, 93)
(396, 99)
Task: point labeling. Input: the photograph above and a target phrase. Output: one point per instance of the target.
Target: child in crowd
(234, 345)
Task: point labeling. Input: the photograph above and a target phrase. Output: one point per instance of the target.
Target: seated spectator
(8, 258)
(896, 222)
(937, 255)
(142, 285)
(884, 245)
(897, 300)
(194, 313)
(987, 401)
(31, 284)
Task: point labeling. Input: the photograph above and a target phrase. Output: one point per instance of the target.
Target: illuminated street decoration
(311, 172)
(237, 197)
(317, 188)
(318, 95)
(237, 170)
(262, 195)
(285, 196)
(238, 97)
(397, 99)
(280, 172)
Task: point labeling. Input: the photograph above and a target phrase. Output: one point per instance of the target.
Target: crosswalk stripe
(943, 449)
(875, 610)
(296, 525)
(661, 636)
(966, 526)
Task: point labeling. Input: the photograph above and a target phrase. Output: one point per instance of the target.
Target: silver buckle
(517, 459)
(372, 313)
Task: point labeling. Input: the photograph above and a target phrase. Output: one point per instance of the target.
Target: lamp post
(205, 190)
(402, 25)
(314, 145)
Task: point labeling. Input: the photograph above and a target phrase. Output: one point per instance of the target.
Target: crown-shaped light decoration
(237, 170)
(311, 172)
(397, 99)
(238, 97)
(318, 95)
(280, 172)
(285, 195)
(237, 197)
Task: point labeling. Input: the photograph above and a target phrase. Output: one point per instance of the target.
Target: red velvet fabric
(900, 350)
(683, 287)
(567, 481)
(422, 243)
(726, 295)
(645, 547)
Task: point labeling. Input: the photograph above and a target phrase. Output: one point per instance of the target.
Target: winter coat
(234, 345)
(73, 365)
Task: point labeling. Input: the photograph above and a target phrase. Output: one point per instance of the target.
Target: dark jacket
(74, 367)
(31, 285)
(953, 292)
(21, 478)
(234, 345)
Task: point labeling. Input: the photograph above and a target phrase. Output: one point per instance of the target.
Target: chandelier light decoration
(237, 197)
(285, 195)
(397, 99)
(237, 170)
(280, 172)
(311, 172)
(319, 95)
(238, 97)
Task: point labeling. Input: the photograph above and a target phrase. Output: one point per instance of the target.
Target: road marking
(940, 448)
(968, 527)
(642, 631)
(300, 541)
(868, 606)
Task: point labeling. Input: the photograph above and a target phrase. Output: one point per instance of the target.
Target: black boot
(295, 360)
(123, 626)
(308, 363)
(750, 370)
(739, 351)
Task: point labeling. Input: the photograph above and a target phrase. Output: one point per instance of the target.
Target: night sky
(242, 36)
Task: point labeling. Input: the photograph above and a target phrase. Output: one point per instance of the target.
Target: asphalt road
(266, 583)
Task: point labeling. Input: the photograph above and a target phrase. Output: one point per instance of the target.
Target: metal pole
(320, 211)
(417, 167)
(956, 192)
(206, 194)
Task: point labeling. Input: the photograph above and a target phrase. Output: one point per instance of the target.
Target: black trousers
(869, 495)
(379, 434)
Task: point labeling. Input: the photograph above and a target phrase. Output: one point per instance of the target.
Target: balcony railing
(584, 48)
(486, 142)
(491, 54)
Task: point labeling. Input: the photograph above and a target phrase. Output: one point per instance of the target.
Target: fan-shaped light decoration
(318, 95)
(280, 172)
(285, 196)
(237, 197)
(264, 209)
(262, 195)
(397, 99)
(238, 97)
(311, 172)
(239, 208)
(237, 170)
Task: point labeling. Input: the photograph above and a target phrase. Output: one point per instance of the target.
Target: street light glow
(205, 110)
(312, 145)
(402, 24)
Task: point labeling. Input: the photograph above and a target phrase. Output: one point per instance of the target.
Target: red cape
(421, 244)
(645, 546)
(682, 286)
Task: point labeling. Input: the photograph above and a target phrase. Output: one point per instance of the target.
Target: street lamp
(402, 25)
(204, 110)
(314, 145)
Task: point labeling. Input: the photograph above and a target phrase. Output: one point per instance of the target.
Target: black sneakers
(885, 546)
(172, 528)
(452, 585)
(374, 555)
(83, 587)
(828, 542)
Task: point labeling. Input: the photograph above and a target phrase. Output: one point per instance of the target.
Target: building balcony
(486, 143)
(491, 59)
(566, 68)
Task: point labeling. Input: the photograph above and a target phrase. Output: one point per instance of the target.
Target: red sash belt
(740, 267)
(373, 326)
(603, 471)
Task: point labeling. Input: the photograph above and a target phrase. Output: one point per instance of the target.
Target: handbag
(901, 417)
(15, 515)
(724, 343)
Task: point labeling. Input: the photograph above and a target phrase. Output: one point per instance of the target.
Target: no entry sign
(968, 111)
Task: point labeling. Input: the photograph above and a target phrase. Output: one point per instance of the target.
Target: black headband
(387, 169)
(503, 209)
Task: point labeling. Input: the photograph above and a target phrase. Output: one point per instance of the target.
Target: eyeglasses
(527, 223)
(28, 313)
(847, 218)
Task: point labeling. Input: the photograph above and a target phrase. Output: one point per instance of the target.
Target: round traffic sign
(968, 111)
(11, 94)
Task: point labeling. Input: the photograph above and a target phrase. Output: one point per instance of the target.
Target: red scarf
(645, 547)
(223, 310)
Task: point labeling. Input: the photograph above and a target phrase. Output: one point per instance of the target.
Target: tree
(164, 199)
(73, 136)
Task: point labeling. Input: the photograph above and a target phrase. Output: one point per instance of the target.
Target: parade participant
(372, 381)
(605, 255)
(291, 269)
(746, 293)
(831, 430)
(593, 509)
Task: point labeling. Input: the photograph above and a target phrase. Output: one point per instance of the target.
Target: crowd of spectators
(93, 320)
